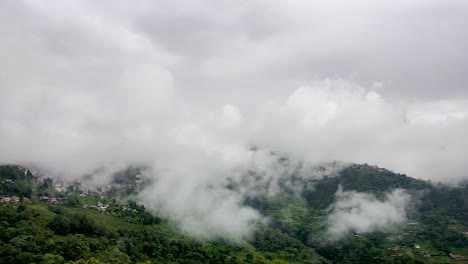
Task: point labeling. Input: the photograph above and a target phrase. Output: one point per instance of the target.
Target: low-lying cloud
(362, 212)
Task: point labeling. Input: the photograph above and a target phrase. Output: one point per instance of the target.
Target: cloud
(194, 197)
(362, 213)
(188, 88)
(341, 120)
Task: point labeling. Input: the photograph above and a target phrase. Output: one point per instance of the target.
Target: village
(61, 191)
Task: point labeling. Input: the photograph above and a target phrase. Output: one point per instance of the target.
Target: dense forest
(77, 228)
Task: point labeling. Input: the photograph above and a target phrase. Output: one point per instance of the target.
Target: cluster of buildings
(84, 189)
(99, 206)
(61, 186)
(10, 199)
(52, 200)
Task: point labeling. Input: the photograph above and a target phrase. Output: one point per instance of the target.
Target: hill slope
(432, 231)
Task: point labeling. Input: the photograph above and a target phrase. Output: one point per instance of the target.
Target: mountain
(360, 214)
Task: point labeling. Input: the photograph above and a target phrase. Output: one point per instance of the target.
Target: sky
(189, 87)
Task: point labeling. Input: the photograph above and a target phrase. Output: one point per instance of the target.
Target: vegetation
(34, 231)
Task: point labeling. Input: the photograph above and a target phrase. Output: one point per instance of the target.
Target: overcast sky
(89, 84)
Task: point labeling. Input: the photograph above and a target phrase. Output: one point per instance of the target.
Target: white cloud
(340, 120)
(361, 212)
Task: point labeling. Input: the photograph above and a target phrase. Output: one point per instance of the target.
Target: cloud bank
(362, 213)
(189, 88)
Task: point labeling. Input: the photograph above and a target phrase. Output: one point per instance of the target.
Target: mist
(363, 213)
(188, 92)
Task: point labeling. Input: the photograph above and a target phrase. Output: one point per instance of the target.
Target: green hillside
(70, 231)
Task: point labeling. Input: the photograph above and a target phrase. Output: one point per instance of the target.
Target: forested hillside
(40, 225)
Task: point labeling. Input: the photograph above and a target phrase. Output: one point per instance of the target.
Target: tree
(74, 247)
(115, 256)
(81, 224)
(60, 224)
(52, 259)
(87, 261)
